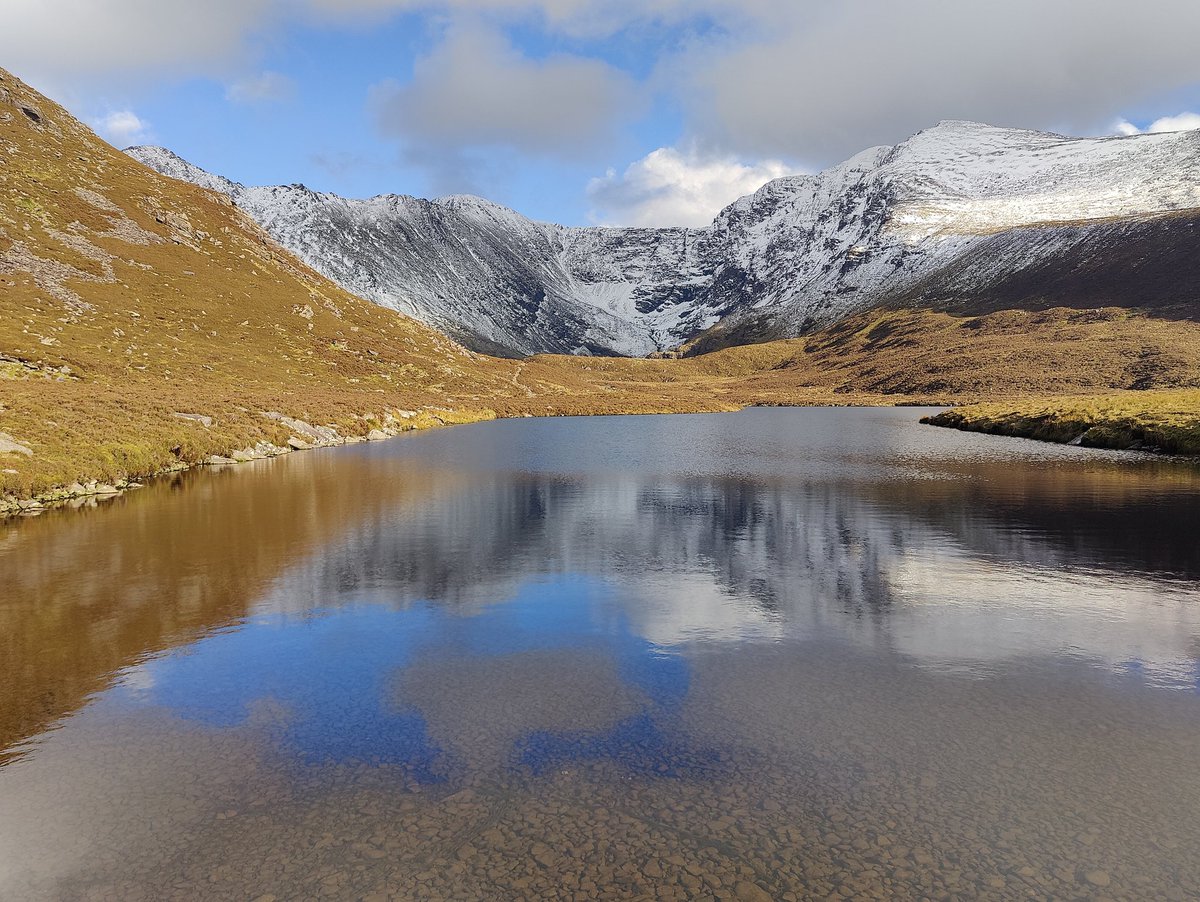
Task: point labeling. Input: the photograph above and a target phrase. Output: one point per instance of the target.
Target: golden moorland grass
(1160, 420)
(128, 299)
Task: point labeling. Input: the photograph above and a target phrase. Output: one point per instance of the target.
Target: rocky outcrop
(9, 445)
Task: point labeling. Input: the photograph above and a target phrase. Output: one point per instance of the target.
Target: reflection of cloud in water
(705, 559)
(676, 608)
(957, 610)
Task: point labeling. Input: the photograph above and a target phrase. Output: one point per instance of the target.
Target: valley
(961, 215)
(150, 324)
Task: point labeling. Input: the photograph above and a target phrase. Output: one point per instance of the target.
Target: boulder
(200, 418)
(9, 445)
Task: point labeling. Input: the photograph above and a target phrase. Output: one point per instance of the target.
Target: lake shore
(1167, 422)
(304, 437)
(92, 489)
(1163, 421)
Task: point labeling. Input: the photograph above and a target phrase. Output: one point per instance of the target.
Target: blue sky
(650, 112)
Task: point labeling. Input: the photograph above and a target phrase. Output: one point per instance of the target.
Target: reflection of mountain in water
(937, 569)
(1116, 519)
(769, 544)
(944, 558)
(87, 593)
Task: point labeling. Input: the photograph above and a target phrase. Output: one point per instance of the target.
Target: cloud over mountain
(668, 187)
(475, 90)
(122, 127)
(483, 94)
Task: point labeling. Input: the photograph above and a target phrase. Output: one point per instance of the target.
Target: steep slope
(973, 218)
(800, 253)
(146, 323)
(485, 275)
(1147, 263)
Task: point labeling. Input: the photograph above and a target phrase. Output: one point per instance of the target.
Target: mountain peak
(959, 125)
(167, 162)
(473, 203)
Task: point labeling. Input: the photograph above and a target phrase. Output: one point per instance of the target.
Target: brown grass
(1155, 420)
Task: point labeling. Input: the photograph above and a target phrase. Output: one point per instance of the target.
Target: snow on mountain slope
(988, 179)
(799, 253)
(167, 163)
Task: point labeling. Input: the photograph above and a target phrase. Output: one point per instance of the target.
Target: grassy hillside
(128, 298)
(147, 324)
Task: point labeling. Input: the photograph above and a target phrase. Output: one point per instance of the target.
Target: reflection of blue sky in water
(328, 677)
(756, 527)
(325, 677)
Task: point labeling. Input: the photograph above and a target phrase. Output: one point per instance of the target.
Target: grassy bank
(1166, 421)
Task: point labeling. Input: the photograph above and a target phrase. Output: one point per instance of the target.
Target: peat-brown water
(775, 654)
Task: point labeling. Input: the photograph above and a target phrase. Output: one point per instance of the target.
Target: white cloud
(62, 40)
(813, 80)
(122, 128)
(1184, 122)
(475, 91)
(835, 78)
(262, 88)
(670, 188)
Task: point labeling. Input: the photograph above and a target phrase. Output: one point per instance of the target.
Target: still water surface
(773, 654)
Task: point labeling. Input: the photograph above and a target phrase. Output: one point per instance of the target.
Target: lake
(782, 653)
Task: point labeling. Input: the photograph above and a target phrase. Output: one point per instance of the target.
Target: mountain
(803, 252)
(487, 276)
(146, 324)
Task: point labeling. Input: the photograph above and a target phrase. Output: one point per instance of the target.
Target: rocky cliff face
(798, 254)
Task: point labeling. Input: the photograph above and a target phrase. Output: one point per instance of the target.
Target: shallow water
(772, 654)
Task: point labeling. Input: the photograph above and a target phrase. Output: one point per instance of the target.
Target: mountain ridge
(798, 254)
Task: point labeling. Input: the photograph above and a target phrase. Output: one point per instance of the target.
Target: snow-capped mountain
(799, 253)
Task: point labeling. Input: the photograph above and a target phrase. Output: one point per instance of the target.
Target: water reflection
(807, 652)
(89, 592)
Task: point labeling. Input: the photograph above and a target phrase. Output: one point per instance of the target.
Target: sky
(622, 112)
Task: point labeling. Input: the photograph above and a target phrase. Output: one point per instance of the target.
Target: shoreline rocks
(305, 437)
(91, 491)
